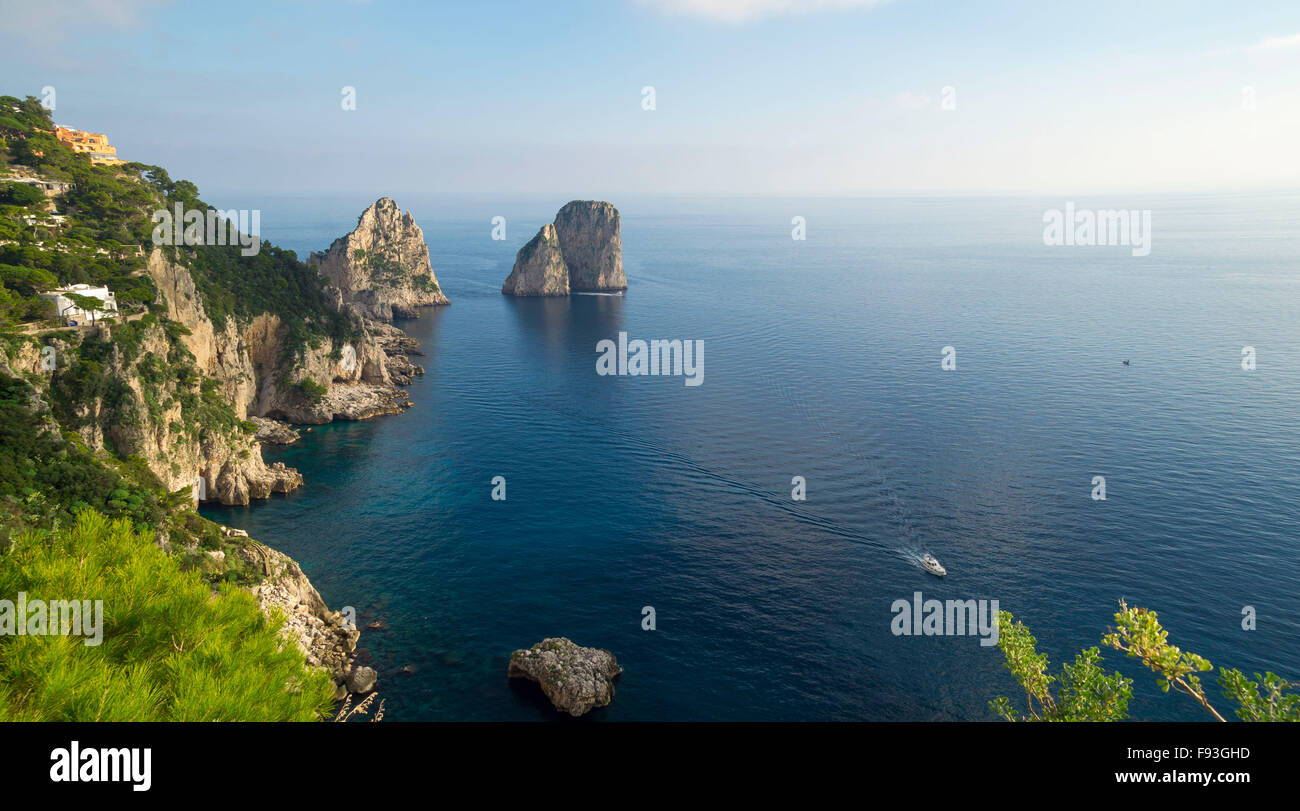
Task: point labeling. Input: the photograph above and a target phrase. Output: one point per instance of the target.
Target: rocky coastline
(367, 382)
(378, 271)
(326, 638)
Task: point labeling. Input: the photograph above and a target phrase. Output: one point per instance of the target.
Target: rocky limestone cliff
(539, 268)
(132, 405)
(582, 251)
(247, 360)
(592, 243)
(382, 268)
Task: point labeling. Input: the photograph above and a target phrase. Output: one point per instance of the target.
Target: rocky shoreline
(327, 638)
(378, 271)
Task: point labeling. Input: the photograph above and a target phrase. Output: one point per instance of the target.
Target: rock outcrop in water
(574, 678)
(274, 432)
(539, 268)
(582, 251)
(382, 268)
(592, 243)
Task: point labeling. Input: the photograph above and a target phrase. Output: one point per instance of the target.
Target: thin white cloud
(1276, 43)
(1282, 43)
(742, 11)
(54, 19)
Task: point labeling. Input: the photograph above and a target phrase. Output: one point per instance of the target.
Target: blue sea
(822, 360)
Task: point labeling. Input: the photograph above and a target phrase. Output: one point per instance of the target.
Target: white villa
(51, 188)
(70, 311)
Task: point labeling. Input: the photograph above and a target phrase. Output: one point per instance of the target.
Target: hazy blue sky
(769, 96)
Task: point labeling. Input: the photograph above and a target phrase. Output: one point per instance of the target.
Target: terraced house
(94, 144)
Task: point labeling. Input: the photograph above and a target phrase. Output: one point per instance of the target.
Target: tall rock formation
(581, 251)
(382, 268)
(592, 243)
(539, 268)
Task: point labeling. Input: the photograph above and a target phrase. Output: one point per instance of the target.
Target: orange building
(93, 144)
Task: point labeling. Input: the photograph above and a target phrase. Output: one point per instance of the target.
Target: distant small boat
(1126, 363)
(932, 565)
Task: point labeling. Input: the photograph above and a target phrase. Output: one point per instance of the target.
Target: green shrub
(171, 650)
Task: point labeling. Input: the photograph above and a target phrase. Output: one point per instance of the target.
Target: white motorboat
(932, 565)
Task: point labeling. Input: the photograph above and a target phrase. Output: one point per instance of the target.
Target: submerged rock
(539, 268)
(574, 678)
(362, 679)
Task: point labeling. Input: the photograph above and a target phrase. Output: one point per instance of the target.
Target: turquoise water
(823, 361)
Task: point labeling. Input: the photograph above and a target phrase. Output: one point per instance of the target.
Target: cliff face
(382, 268)
(581, 251)
(158, 389)
(217, 355)
(539, 268)
(133, 406)
(169, 397)
(592, 243)
(248, 364)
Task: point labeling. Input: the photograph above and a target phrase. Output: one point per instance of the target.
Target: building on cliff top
(93, 144)
(68, 309)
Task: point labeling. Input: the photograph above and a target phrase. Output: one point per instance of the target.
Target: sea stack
(382, 268)
(592, 243)
(539, 268)
(582, 251)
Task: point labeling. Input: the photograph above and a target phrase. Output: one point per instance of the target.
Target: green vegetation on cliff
(46, 476)
(90, 418)
(171, 649)
(109, 232)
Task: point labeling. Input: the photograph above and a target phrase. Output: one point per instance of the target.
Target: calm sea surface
(822, 360)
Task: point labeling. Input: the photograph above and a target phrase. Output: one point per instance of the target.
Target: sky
(763, 97)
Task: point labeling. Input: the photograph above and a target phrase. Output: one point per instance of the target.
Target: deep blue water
(822, 360)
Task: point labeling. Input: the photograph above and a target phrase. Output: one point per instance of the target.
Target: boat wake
(912, 550)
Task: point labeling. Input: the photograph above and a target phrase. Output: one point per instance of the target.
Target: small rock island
(574, 678)
(582, 251)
